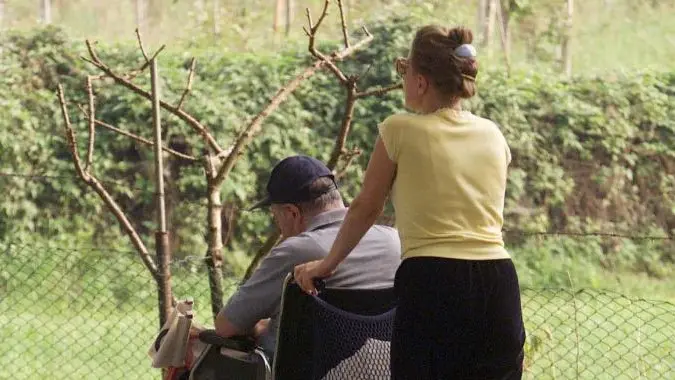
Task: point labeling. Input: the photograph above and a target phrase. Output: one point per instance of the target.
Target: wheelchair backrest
(340, 334)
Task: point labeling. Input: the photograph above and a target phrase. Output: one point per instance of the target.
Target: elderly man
(308, 210)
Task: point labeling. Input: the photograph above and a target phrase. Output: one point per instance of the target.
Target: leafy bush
(589, 153)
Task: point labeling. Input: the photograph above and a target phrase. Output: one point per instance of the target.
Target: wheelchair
(341, 334)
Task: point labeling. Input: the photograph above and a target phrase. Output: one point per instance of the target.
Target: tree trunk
(566, 41)
(161, 236)
(482, 21)
(290, 7)
(278, 14)
(506, 27)
(2, 13)
(503, 22)
(490, 25)
(214, 253)
(216, 17)
(46, 12)
(201, 16)
(243, 10)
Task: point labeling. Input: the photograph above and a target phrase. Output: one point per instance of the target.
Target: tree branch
(270, 242)
(140, 139)
(379, 91)
(350, 156)
(188, 87)
(323, 15)
(92, 126)
(341, 138)
(345, 32)
(92, 182)
(254, 125)
(311, 33)
(187, 118)
(146, 64)
(140, 45)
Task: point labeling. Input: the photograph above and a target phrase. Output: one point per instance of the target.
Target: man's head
(299, 188)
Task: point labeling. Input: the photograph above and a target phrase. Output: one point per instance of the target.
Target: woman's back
(450, 183)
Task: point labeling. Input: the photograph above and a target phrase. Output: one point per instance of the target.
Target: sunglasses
(401, 64)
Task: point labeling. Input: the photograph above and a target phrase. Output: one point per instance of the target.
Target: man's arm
(260, 296)
(225, 328)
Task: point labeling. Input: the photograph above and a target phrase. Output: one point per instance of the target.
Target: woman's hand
(304, 274)
(261, 328)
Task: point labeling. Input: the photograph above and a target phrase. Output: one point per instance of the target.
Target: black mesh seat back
(343, 335)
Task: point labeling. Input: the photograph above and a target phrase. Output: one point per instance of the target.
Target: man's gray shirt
(371, 265)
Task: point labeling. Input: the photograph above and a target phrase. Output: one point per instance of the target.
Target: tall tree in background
(566, 37)
(489, 25)
(140, 11)
(278, 14)
(481, 21)
(46, 11)
(216, 17)
(2, 13)
(290, 7)
(504, 15)
(200, 13)
(491, 14)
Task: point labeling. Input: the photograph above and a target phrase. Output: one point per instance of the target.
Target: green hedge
(589, 153)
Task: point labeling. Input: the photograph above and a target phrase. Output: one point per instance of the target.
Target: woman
(459, 311)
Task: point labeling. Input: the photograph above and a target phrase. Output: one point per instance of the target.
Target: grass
(570, 336)
(88, 314)
(593, 335)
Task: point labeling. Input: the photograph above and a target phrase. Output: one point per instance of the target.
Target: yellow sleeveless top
(448, 194)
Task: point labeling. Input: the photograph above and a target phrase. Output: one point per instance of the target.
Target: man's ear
(293, 209)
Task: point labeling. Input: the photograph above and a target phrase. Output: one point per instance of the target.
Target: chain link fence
(92, 314)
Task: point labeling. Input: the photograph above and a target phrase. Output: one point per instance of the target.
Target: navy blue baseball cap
(290, 180)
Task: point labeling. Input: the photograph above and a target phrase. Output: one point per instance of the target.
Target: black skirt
(457, 319)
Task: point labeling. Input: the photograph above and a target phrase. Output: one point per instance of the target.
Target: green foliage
(588, 154)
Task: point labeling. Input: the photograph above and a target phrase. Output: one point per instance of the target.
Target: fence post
(161, 235)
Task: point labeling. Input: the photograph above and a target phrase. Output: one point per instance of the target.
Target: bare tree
(218, 162)
(349, 83)
(46, 12)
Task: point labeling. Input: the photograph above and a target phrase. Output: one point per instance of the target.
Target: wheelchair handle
(238, 343)
(319, 284)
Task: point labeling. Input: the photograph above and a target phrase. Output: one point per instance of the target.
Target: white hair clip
(465, 51)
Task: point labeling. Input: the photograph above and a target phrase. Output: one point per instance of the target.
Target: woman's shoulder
(405, 120)
(402, 118)
(486, 123)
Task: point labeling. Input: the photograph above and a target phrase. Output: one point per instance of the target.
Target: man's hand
(304, 274)
(194, 331)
